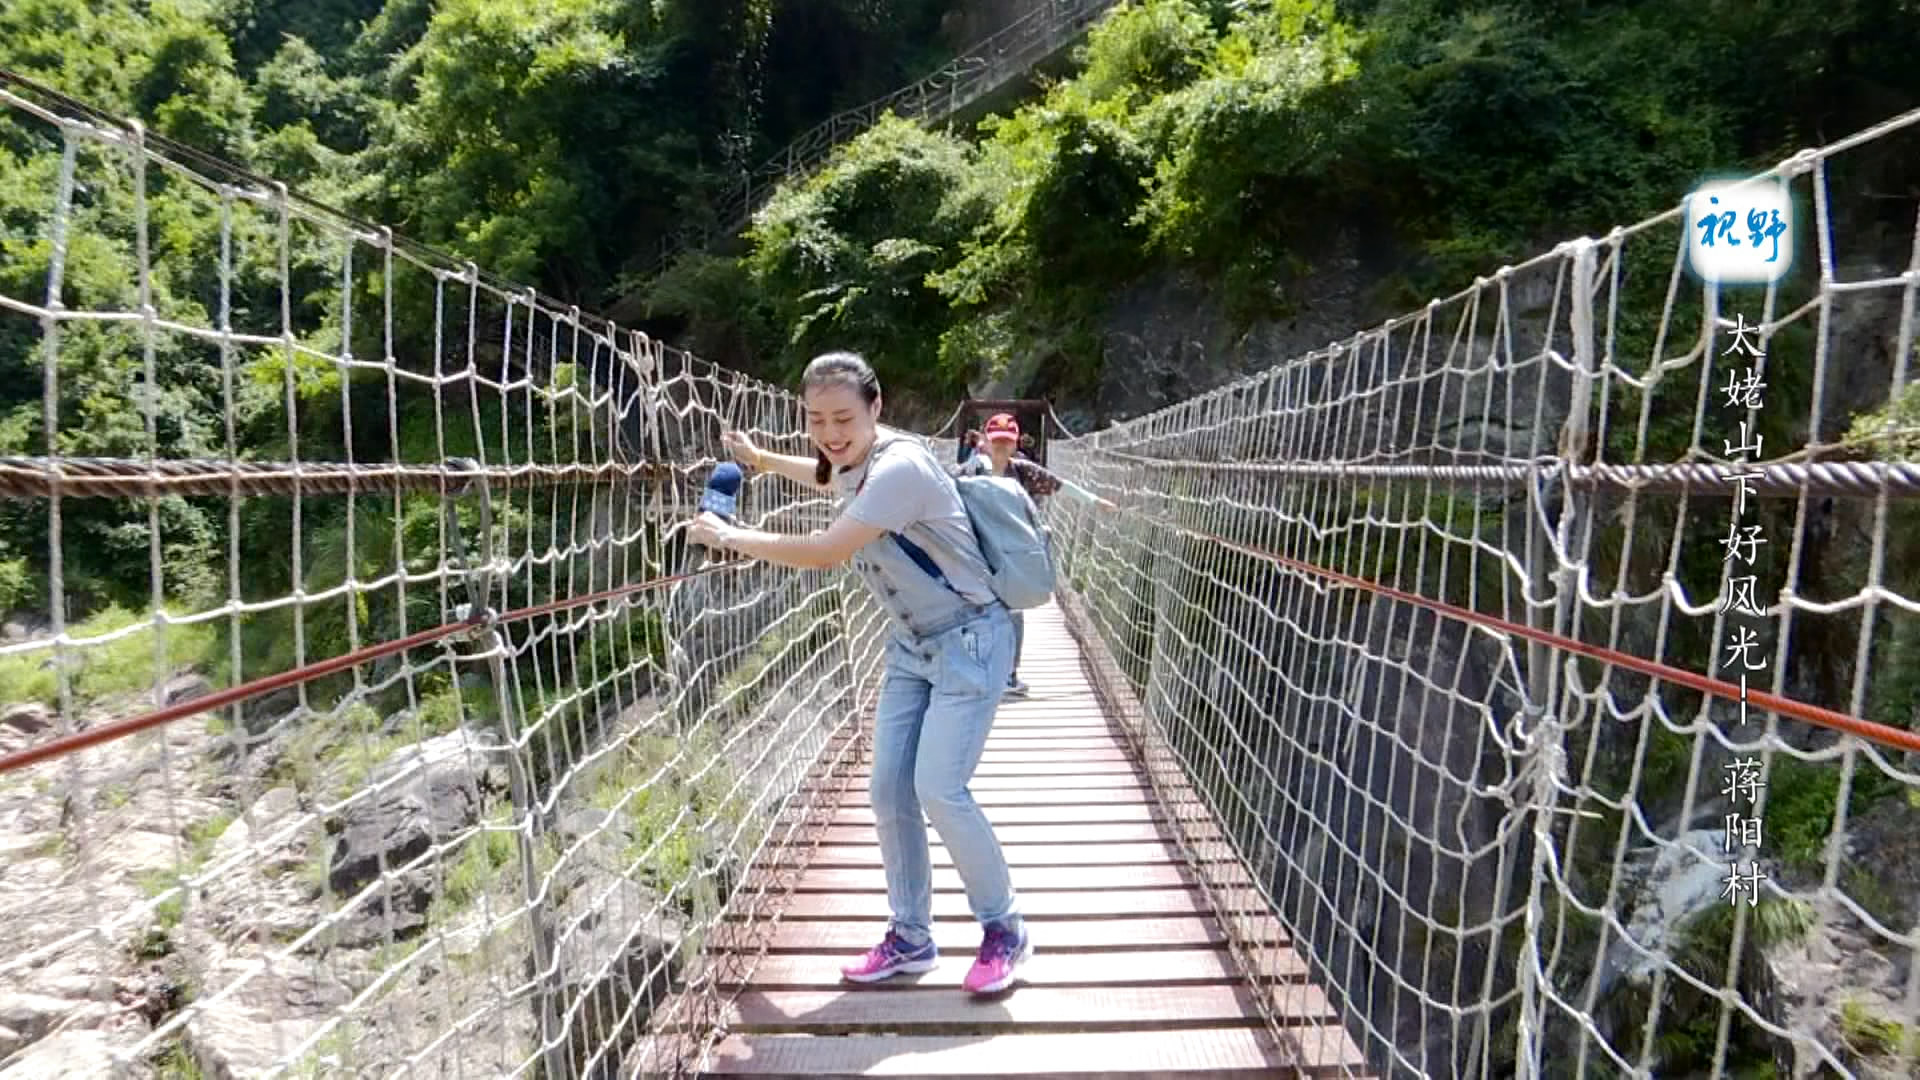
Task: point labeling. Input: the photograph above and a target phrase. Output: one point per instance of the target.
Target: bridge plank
(1027, 749)
(1057, 814)
(1027, 1009)
(1197, 825)
(1108, 833)
(1027, 879)
(1145, 853)
(1072, 767)
(1168, 967)
(961, 937)
(1053, 730)
(1222, 1054)
(857, 797)
(1053, 781)
(1090, 904)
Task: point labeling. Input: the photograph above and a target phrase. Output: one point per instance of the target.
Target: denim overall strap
(919, 599)
(914, 551)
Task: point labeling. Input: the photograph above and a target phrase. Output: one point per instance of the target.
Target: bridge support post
(521, 790)
(528, 827)
(1551, 532)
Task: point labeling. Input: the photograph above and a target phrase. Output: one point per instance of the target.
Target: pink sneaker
(891, 957)
(1001, 955)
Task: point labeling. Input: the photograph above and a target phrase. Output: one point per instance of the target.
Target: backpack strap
(919, 555)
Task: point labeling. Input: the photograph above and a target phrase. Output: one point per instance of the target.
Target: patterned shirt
(1038, 482)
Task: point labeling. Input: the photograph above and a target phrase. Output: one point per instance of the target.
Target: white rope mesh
(538, 845)
(1498, 856)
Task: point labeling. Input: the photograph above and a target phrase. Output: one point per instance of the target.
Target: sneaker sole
(909, 967)
(1013, 971)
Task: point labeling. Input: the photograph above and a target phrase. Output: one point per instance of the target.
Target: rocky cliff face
(1170, 336)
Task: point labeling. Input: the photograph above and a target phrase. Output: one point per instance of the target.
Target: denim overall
(947, 666)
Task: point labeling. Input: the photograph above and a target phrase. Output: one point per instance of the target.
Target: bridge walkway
(1132, 974)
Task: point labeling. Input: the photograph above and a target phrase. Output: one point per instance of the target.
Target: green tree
(845, 257)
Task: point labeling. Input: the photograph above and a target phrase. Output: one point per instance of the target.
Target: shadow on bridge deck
(1132, 974)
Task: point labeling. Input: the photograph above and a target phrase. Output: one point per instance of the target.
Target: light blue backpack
(1016, 545)
(1018, 550)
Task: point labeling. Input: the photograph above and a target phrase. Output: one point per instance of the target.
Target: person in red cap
(999, 439)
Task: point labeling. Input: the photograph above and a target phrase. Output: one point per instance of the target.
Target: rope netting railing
(365, 710)
(1565, 719)
(986, 66)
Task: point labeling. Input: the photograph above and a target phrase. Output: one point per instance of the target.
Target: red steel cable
(1893, 737)
(119, 729)
(1813, 714)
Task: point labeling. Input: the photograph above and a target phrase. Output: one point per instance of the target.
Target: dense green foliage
(1232, 142)
(552, 143)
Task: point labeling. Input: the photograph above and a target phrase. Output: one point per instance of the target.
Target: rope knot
(461, 485)
(479, 619)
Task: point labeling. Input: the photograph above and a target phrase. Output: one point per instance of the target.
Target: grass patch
(787, 644)
(202, 836)
(168, 914)
(357, 759)
(158, 941)
(330, 1057)
(663, 791)
(340, 751)
(119, 666)
(1801, 797)
(1689, 1020)
(1869, 1034)
(476, 866)
(174, 1062)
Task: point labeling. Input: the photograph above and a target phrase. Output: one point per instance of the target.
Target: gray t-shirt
(909, 487)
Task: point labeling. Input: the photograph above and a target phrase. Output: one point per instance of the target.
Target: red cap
(1003, 427)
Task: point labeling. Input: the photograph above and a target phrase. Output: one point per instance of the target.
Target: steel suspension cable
(267, 684)
(1883, 734)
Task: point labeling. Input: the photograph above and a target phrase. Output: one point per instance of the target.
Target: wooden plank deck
(1132, 974)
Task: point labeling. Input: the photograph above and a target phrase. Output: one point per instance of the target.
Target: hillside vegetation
(1235, 143)
(552, 143)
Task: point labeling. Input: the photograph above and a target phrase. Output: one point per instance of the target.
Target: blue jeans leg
(971, 666)
(1019, 638)
(897, 817)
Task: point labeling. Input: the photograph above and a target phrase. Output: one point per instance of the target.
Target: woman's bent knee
(893, 798)
(941, 796)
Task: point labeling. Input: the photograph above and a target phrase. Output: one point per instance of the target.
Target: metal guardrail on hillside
(990, 64)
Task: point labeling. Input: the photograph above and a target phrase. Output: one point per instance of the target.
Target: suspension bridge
(1379, 723)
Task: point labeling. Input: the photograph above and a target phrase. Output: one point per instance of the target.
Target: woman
(946, 666)
(1002, 434)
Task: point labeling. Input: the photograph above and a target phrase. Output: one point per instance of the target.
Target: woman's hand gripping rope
(742, 449)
